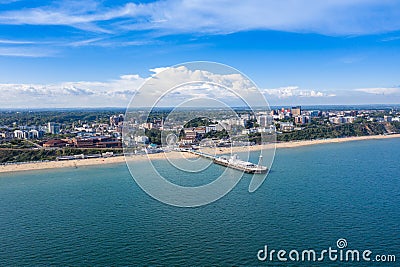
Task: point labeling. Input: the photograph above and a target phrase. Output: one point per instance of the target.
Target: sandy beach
(120, 159)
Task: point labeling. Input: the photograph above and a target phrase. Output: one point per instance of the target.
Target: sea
(338, 197)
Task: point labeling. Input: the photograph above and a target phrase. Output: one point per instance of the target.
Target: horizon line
(172, 107)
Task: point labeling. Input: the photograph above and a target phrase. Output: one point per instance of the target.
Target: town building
(31, 134)
(141, 139)
(286, 126)
(349, 119)
(264, 120)
(55, 143)
(388, 118)
(211, 127)
(21, 134)
(200, 130)
(53, 128)
(35, 134)
(301, 119)
(315, 113)
(189, 133)
(296, 111)
(147, 125)
(187, 140)
(95, 142)
(6, 135)
(116, 120)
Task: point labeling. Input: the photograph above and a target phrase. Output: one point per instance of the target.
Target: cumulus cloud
(175, 85)
(71, 94)
(171, 86)
(231, 88)
(179, 84)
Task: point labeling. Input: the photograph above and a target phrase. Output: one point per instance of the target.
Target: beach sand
(120, 159)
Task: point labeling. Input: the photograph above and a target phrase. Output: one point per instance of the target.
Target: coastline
(119, 159)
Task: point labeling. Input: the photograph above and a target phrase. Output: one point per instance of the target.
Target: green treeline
(64, 117)
(335, 131)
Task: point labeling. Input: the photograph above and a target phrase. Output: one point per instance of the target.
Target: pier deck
(232, 162)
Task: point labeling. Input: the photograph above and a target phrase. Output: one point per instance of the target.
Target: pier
(232, 162)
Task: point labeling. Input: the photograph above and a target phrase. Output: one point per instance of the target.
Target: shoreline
(16, 167)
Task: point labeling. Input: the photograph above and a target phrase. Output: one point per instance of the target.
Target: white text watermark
(338, 253)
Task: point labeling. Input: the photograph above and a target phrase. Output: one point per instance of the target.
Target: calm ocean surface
(99, 216)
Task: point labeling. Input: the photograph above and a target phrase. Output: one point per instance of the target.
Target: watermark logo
(187, 114)
(341, 243)
(340, 253)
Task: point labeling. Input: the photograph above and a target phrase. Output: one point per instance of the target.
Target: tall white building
(53, 128)
(20, 134)
(264, 120)
(34, 134)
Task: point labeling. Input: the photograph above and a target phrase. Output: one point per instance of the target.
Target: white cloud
(7, 41)
(380, 90)
(23, 51)
(392, 38)
(106, 26)
(214, 86)
(331, 17)
(295, 91)
(85, 42)
(118, 92)
(189, 84)
(71, 94)
(158, 70)
(4, 2)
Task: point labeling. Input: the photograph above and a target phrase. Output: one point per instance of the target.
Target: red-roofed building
(55, 143)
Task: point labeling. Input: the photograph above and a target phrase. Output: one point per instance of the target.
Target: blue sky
(70, 53)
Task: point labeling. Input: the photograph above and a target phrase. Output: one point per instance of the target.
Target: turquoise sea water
(313, 196)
